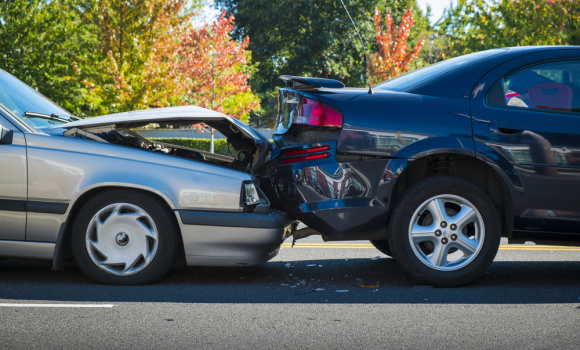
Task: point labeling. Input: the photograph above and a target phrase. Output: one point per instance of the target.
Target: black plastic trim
(47, 207)
(34, 207)
(12, 205)
(544, 237)
(206, 218)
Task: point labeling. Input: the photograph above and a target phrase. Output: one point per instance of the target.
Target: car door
(528, 111)
(13, 182)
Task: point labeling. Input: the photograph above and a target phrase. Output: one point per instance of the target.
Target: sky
(437, 7)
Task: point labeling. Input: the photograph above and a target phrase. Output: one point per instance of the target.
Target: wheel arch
(469, 168)
(63, 249)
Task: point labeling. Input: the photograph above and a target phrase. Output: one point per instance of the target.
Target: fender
(501, 164)
(66, 170)
(66, 219)
(398, 164)
(457, 146)
(437, 145)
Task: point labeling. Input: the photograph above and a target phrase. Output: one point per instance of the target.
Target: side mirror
(5, 136)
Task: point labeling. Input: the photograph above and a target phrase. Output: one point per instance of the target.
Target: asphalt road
(303, 299)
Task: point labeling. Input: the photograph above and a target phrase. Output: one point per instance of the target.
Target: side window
(551, 86)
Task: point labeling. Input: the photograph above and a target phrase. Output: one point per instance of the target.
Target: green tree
(137, 52)
(309, 38)
(45, 44)
(475, 25)
(97, 56)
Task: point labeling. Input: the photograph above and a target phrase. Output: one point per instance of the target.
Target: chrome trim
(15, 121)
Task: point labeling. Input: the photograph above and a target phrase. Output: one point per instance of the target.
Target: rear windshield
(419, 76)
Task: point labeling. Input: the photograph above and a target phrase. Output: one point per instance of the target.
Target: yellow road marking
(370, 246)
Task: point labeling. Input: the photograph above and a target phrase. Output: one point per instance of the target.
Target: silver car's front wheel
(124, 237)
(444, 231)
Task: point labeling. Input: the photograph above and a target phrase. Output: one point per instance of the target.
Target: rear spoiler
(305, 83)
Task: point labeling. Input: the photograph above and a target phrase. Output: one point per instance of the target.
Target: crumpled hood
(183, 115)
(168, 115)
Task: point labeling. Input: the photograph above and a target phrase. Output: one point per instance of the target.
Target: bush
(220, 145)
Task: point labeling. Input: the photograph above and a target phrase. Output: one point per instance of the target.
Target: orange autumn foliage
(138, 42)
(217, 69)
(394, 55)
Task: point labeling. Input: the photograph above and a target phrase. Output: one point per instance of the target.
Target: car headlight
(251, 194)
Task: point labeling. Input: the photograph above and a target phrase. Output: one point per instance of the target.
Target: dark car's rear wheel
(444, 231)
(124, 237)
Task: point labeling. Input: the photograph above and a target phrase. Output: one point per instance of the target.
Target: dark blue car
(435, 166)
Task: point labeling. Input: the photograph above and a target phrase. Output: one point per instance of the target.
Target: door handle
(505, 129)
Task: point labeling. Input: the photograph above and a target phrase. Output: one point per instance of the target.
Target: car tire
(124, 237)
(444, 231)
(383, 247)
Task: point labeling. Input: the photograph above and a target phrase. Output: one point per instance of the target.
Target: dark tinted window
(552, 86)
(495, 96)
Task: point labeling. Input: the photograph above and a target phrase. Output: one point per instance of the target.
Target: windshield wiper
(47, 116)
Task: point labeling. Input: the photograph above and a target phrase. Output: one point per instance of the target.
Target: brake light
(306, 154)
(306, 151)
(305, 158)
(313, 112)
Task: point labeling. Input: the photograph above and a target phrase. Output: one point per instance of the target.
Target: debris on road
(305, 291)
(341, 290)
(358, 282)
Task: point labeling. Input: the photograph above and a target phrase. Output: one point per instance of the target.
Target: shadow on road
(296, 282)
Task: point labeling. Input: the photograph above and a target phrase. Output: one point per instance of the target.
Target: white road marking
(58, 305)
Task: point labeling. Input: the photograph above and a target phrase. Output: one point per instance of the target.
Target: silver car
(126, 208)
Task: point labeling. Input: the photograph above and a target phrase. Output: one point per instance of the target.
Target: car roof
(461, 81)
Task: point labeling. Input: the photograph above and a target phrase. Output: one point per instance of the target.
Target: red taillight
(305, 158)
(306, 151)
(306, 154)
(312, 112)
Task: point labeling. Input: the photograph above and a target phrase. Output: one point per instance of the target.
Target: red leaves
(393, 56)
(152, 57)
(216, 68)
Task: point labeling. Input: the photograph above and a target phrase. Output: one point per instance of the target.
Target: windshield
(419, 76)
(20, 98)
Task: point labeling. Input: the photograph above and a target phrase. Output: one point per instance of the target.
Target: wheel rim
(446, 232)
(122, 239)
